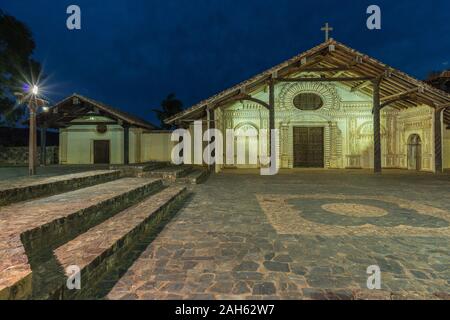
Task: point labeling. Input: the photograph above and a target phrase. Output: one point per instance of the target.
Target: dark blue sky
(132, 53)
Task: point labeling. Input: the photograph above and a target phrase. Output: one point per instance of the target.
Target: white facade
(76, 143)
(347, 122)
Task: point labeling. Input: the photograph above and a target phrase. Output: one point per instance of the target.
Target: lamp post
(33, 102)
(32, 145)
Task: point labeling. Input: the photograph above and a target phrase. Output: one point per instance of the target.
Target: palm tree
(169, 107)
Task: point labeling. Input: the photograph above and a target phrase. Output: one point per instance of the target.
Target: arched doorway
(246, 146)
(414, 152)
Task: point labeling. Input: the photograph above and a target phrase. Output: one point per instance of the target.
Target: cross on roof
(327, 30)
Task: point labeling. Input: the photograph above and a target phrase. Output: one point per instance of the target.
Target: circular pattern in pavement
(354, 210)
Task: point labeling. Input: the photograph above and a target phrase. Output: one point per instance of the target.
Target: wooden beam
(407, 95)
(325, 79)
(389, 102)
(193, 120)
(402, 94)
(304, 63)
(271, 116)
(361, 85)
(242, 96)
(332, 69)
(95, 123)
(338, 74)
(444, 106)
(209, 118)
(126, 144)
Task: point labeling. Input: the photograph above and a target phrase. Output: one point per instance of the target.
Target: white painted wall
(156, 146)
(446, 148)
(77, 143)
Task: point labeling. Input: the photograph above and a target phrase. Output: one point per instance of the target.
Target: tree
(169, 107)
(16, 65)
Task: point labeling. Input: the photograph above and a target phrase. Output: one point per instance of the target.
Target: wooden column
(43, 145)
(376, 126)
(271, 114)
(438, 168)
(126, 144)
(211, 124)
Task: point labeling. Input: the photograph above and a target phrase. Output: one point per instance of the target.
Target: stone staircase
(28, 188)
(169, 173)
(96, 220)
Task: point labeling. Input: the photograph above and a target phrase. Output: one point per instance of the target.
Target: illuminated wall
(156, 146)
(77, 142)
(416, 121)
(347, 120)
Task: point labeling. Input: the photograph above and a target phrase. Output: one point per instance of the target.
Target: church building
(91, 133)
(335, 108)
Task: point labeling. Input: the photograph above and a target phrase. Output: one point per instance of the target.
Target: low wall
(19, 155)
(156, 146)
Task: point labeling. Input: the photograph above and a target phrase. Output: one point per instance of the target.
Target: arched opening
(414, 152)
(246, 146)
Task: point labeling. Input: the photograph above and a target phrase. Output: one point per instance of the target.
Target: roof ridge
(251, 79)
(297, 57)
(113, 110)
(422, 82)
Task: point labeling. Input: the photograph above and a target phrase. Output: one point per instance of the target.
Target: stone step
(139, 168)
(197, 176)
(30, 230)
(22, 189)
(100, 248)
(170, 173)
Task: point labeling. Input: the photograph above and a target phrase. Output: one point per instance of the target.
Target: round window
(308, 101)
(102, 128)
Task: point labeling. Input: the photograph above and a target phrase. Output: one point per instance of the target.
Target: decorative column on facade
(284, 141)
(391, 140)
(335, 146)
(354, 158)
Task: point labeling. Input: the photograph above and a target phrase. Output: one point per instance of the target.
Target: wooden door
(101, 152)
(308, 147)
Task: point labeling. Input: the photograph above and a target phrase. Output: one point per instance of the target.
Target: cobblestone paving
(226, 243)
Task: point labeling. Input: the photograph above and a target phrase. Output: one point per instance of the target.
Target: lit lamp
(31, 98)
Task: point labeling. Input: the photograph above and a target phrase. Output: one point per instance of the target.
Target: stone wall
(19, 155)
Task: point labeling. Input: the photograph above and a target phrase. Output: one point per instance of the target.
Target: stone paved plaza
(301, 235)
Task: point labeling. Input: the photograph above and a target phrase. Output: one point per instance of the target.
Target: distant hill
(18, 137)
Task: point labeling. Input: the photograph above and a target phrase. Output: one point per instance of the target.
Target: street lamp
(33, 102)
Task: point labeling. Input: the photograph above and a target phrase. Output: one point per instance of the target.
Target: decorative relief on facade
(284, 147)
(417, 121)
(327, 92)
(348, 127)
(335, 146)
